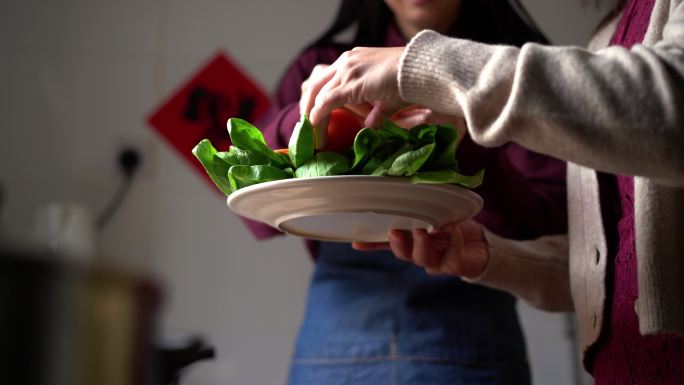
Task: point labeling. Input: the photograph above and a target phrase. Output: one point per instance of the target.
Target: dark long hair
(488, 21)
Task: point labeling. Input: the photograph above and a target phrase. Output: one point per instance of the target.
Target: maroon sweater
(622, 356)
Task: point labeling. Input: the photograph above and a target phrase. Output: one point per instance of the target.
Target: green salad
(426, 154)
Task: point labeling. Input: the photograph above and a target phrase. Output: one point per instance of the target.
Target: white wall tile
(85, 26)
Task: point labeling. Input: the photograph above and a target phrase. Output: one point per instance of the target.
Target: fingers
(377, 116)
(327, 100)
(455, 249)
(471, 229)
(422, 255)
(361, 109)
(323, 77)
(322, 94)
(315, 73)
(438, 252)
(316, 81)
(409, 120)
(320, 120)
(401, 244)
(358, 76)
(321, 124)
(319, 68)
(429, 249)
(467, 254)
(415, 115)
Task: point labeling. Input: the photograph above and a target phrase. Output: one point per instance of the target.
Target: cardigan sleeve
(614, 110)
(535, 271)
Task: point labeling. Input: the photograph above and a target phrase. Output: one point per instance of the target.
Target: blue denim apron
(373, 319)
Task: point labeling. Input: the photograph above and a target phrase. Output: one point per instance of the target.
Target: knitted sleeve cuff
(436, 70)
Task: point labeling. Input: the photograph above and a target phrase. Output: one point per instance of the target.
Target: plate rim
(336, 178)
(235, 198)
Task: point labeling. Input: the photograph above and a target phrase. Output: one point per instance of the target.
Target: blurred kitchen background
(78, 81)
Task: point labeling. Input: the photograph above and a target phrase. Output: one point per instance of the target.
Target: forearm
(615, 110)
(534, 271)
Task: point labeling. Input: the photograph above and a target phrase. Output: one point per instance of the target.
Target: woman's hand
(359, 109)
(455, 249)
(362, 110)
(362, 76)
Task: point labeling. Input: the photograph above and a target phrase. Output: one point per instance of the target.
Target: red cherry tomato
(342, 129)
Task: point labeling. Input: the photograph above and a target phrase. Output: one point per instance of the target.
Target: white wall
(79, 78)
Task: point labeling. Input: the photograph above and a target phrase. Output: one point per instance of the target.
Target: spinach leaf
(242, 176)
(290, 172)
(370, 166)
(403, 149)
(446, 139)
(301, 146)
(247, 137)
(384, 167)
(236, 156)
(410, 162)
(389, 130)
(381, 170)
(216, 167)
(387, 149)
(426, 153)
(450, 177)
(323, 164)
(365, 143)
(423, 134)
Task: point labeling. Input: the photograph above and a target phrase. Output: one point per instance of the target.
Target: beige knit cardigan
(609, 109)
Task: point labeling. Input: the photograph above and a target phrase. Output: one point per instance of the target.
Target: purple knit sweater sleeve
(278, 123)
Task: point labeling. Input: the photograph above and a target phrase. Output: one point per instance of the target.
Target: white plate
(353, 207)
